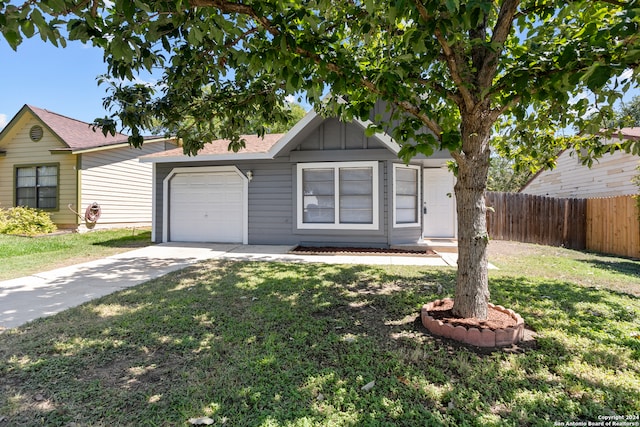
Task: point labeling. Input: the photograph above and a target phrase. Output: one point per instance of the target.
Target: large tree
(449, 71)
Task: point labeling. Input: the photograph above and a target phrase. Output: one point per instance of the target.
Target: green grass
(22, 256)
(269, 344)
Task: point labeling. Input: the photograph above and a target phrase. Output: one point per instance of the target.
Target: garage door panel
(206, 207)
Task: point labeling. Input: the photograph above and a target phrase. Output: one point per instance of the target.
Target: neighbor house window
(406, 195)
(37, 186)
(338, 195)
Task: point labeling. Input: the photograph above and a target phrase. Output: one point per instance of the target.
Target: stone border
(474, 336)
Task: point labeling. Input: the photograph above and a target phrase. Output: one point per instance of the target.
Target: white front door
(439, 208)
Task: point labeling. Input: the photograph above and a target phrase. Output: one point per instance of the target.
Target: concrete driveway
(44, 294)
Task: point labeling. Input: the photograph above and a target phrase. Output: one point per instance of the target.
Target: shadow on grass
(294, 344)
(137, 239)
(629, 268)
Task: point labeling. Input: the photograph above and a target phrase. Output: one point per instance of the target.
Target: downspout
(154, 223)
(78, 187)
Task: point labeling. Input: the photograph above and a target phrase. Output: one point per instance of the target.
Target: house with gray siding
(62, 166)
(322, 183)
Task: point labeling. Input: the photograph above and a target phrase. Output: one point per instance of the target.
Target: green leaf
(27, 28)
(453, 5)
(38, 20)
(370, 131)
(598, 77)
(13, 38)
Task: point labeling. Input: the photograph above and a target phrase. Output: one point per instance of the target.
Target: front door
(438, 209)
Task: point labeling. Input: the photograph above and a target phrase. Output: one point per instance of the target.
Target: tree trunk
(472, 286)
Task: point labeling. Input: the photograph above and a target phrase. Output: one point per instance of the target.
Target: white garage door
(206, 207)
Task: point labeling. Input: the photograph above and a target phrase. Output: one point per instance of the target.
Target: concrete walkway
(44, 294)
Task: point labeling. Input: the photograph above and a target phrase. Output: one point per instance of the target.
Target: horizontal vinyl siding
(271, 203)
(119, 183)
(21, 150)
(609, 176)
(405, 235)
(272, 207)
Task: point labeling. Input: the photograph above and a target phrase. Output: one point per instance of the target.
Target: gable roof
(76, 135)
(268, 147)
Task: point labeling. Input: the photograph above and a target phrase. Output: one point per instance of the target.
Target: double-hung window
(37, 186)
(338, 195)
(406, 195)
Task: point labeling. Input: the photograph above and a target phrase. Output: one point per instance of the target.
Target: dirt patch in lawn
(503, 248)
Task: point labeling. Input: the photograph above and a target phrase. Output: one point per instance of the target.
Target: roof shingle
(254, 144)
(76, 134)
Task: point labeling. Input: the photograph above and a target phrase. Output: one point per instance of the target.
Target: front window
(338, 195)
(406, 195)
(37, 186)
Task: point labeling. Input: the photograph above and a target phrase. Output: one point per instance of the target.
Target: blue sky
(62, 80)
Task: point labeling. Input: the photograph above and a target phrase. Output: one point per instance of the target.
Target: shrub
(21, 220)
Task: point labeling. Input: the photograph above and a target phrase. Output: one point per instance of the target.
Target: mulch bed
(336, 250)
(495, 319)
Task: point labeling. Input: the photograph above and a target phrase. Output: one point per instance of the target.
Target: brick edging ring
(479, 337)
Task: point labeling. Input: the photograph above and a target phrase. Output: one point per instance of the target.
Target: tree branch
(501, 30)
(452, 60)
(446, 93)
(242, 9)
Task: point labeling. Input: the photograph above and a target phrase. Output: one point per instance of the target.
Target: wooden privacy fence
(608, 225)
(537, 219)
(613, 226)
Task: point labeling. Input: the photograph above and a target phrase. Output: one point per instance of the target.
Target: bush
(21, 220)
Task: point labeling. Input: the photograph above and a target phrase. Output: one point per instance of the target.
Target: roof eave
(384, 138)
(117, 145)
(206, 158)
(19, 115)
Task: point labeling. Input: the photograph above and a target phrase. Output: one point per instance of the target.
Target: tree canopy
(453, 74)
(531, 62)
(627, 115)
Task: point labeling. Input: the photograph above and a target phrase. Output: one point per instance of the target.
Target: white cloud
(3, 120)
(627, 74)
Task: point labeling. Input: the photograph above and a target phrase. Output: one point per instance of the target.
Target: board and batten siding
(119, 183)
(22, 151)
(609, 176)
(333, 134)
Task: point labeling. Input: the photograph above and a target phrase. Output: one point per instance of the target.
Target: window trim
(418, 223)
(37, 165)
(336, 166)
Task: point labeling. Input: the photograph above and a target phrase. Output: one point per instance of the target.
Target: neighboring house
(322, 183)
(609, 175)
(62, 166)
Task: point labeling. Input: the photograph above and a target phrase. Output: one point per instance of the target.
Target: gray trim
(341, 155)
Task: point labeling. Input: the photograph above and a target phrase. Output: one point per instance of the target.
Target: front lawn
(269, 344)
(22, 256)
